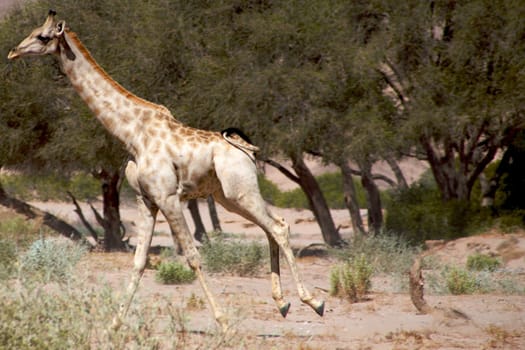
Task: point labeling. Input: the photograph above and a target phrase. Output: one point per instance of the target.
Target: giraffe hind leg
(254, 209)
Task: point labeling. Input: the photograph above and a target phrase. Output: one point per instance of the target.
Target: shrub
(351, 279)
(460, 281)
(172, 272)
(74, 316)
(419, 213)
(269, 190)
(331, 185)
(482, 262)
(243, 259)
(51, 259)
(385, 253)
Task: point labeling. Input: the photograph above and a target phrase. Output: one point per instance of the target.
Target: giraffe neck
(122, 113)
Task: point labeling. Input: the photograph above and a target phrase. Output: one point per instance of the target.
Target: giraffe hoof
(320, 309)
(284, 309)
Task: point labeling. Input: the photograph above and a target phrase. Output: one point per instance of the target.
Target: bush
(386, 253)
(482, 262)
(243, 259)
(172, 272)
(331, 185)
(269, 191)
(75, 316)
(460, 281)
(419, 214)
(351, 279)
(51, 259)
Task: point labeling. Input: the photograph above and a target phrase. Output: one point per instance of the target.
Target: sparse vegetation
(460, 281)
(351, 279)
(243, 259)
(173, 272)
(51, 259)
(8, 257)
(482, 262)
(385, 253)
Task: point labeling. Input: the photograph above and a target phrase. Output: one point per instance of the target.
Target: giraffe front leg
(277, 293)
(172, 210)
(145, 227)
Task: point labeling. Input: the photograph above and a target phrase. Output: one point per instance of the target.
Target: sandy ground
(386, 320)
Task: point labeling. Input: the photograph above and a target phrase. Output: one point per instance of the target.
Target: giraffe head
(42, 40)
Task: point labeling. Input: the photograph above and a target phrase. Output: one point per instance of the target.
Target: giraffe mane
(129, 95)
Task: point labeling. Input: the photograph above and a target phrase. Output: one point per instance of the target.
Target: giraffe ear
(60, 27)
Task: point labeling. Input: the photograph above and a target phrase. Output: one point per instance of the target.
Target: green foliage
(460, 281)
(17, 230)
(389, 254)
(51, 187)
(331, 186)
(243, 259)
(77, 316)
(51, 259)
(482, 262)
(172, 272)
(351, 279)
(269, 190)
(445, 279)
(419, 214)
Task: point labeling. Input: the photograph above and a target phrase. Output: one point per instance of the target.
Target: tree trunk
(31, 212)
(401, 181)
(317, 202)
(350, 198)
(213, 214)
(375, 214)
(200, 231)
(110, 221)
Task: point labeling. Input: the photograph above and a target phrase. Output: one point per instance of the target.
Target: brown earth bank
(387, 319)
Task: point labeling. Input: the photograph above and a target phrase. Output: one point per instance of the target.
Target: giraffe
(170, 163)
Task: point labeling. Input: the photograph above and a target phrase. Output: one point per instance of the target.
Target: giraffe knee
(281, 227)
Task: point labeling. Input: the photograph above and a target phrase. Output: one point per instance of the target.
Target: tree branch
(283, 170)
(80, 214)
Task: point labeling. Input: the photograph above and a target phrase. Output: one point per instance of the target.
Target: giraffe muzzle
(12, 54)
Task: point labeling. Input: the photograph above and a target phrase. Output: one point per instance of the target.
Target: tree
(455, 69)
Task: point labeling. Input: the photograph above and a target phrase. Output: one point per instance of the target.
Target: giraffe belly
(201, 188)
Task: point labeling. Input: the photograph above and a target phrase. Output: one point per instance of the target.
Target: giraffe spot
(137, 111)
(146, 115)
(109, 124)
(125, 119)
(126, 134)
(152, 132)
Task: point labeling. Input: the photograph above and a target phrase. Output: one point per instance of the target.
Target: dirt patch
(385, 320)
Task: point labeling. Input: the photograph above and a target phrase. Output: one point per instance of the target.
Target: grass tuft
(173, 272)
(482, 262)
(243, 259)
(351, 279)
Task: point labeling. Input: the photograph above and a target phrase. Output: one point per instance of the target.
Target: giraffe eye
(43, 39)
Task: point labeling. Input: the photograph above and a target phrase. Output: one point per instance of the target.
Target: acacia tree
(456, 69)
